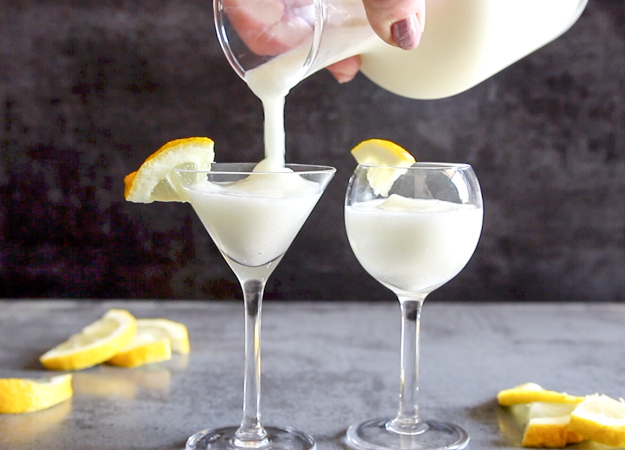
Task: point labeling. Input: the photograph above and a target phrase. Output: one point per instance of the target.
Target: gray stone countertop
(326, 365)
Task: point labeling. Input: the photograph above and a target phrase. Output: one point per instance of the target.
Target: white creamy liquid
(254, 221)
(271, 83)
(465, 42)
(413, 245)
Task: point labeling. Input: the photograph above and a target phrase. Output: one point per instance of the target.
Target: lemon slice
(177, 332)
(380, 152)
(601, 419)
(20, 395)
(548, 426)
(532, 392)
(144, 348)
(153, 182)
(155, 340)
(95, 344)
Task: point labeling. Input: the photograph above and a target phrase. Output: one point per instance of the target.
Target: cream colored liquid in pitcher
(467, 41)
(464, 43)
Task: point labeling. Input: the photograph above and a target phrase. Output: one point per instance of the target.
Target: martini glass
(412, 235)
(253, 217)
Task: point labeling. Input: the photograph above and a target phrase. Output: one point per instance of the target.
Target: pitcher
(466, 41)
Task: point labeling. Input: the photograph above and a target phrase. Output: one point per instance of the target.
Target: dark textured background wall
(89, 88)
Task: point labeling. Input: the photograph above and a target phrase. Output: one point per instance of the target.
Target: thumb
(397, 22)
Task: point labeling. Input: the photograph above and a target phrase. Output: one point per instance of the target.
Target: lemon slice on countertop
(601, 419)
(548, 426)
(153, 182)
(155, 340)
(389, 155)
(20, 395)
(95, 344)
(175, 331)
(532, 392)
(144, 348)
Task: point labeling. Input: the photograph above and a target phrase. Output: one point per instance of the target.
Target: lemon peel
(548, 426)
(154, 341)
(600, 418)
(532, 392)
(153, 180)
(143, 349)
(96, 343)
(389, 156)
(566, 419)
(177, 332)
(21, 395)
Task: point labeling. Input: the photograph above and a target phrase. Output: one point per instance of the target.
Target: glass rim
(300, 169)
(421, 165)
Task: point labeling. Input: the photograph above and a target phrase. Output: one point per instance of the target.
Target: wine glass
(412, 235)
(252, 217)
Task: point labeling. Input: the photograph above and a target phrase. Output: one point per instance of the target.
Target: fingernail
(406, 33)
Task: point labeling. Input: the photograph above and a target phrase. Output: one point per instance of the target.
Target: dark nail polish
(407, 32)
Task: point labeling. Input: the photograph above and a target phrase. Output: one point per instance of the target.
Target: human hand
(398, 22)
(268, 27)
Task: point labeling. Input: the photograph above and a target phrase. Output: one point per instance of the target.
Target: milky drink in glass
(414, 245)
(254, 220)
(412, 233)
(252, 217)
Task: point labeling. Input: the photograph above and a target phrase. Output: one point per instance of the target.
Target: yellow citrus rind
(383, 153)
(95, 344)
(532, 392)
(566, 419)
(177, 332)
(548, 426)
(601, 419)
(142, 350)
(153, 180)
(388, 156)
(154, 341)
(20, 395)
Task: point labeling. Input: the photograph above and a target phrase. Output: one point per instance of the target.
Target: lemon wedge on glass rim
(20, 395)
(380, 152)
(95, 344)
(153, 182)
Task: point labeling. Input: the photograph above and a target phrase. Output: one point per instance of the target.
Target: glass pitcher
(464, 43)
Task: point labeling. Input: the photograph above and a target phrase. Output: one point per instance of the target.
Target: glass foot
(374, 435)
(277, 439)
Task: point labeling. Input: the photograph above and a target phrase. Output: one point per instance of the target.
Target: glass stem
(251, 433)
(407, 420)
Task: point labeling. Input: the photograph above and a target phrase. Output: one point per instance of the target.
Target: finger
(267, 27)
(345, 70)
(397, 22)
